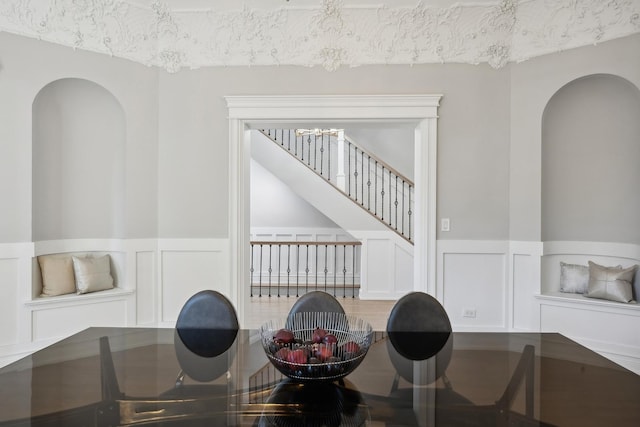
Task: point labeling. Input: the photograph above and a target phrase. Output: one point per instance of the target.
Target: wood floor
(262, 309)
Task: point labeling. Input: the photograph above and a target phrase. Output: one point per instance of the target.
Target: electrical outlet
(469, 312)
(446, 224)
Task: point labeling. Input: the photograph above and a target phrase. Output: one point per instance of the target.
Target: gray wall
(473, 145)
(394, 145)
(533, 83)
(274, 204)
(590, 157)
(176, 173)
(27, 66)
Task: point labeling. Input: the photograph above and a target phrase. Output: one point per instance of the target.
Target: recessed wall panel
(146, 293)
(475, 282)
(379, 271)
(9, 282)
(65, 321)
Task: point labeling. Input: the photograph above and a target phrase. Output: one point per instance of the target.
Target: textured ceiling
(175, 34)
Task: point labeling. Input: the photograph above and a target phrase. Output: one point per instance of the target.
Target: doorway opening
(259, 112)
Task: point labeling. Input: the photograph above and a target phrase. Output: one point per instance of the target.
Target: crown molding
(329, 35)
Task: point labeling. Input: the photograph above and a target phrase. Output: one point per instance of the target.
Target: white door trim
(246, 112)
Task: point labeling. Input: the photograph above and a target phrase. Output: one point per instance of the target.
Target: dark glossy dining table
(146, 376)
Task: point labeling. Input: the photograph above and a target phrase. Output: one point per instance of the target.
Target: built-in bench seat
(581, 299)
(53, 317)
(79, 299)
(117, 270)
(609, 327)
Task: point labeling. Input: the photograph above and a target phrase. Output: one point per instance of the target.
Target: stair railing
(369, 181)
(293, 268)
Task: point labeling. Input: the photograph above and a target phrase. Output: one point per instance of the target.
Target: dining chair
(206, 329)
(205, 346)
(316, 301)
(419, 330)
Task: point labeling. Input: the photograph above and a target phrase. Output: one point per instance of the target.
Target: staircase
(363, 195)
(366, 180)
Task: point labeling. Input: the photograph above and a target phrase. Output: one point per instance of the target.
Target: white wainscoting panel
(472, 283)
(189, 266)
(612, 334)
(9, 278)
(387, 265)
(379, 275)
(60, 322)
(147, 292)
(590, 324)
(524, 280)
(15, 282)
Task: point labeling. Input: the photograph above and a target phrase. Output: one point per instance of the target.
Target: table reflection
(422, 358)
(426, 352)
(204, 355)
(137, 376)
(293, 403)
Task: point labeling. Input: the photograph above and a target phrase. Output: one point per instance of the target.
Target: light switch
(446, 224)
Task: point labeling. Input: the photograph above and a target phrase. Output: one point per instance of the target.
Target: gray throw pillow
(611, 283)
(574, 278)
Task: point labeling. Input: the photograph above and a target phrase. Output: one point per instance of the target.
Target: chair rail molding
(246, 112)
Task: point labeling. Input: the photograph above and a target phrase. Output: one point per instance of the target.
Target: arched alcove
(78, 162)
(590, 162)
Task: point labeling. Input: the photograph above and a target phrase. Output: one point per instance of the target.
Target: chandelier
(318, 132)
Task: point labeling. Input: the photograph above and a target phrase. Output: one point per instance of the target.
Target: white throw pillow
(57, 275)
(611, 283)
(574, 278)
(92, 274)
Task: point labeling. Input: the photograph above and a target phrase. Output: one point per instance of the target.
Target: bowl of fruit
(316, 346)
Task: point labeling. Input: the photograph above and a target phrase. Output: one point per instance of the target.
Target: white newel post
(340, 179)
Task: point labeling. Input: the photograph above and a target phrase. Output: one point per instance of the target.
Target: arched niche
(590, 161)
(78, 162)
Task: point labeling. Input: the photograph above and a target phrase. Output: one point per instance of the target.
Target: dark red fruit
(284, 336)
(350, 347)
(283, 353)
(330, 339)
(323, 352)
(297, 356)
(318, 335)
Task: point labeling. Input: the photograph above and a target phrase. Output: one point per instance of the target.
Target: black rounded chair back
(207, 324)
(316, 301)
(418, 312)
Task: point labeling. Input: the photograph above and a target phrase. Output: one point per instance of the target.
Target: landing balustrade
(290, 269)
(371, 183)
